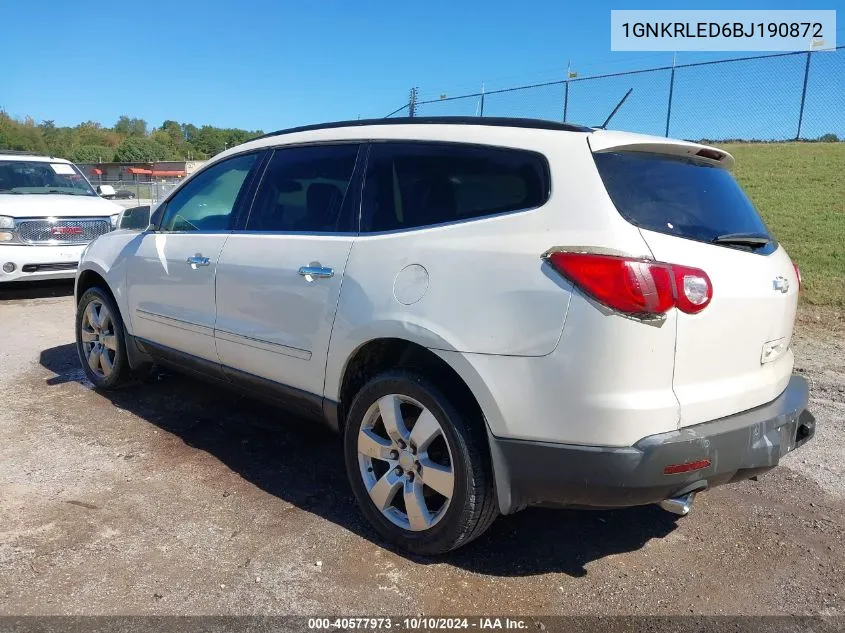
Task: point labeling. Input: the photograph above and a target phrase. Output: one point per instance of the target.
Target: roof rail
(539, 124)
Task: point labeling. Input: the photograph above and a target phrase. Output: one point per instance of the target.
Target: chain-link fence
(140, 192)
(784, 96)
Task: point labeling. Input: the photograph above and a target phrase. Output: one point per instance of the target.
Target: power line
(558, 71)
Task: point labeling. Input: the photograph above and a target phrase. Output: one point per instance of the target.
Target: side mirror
(136, 218)
(156, 213)
(106, 191)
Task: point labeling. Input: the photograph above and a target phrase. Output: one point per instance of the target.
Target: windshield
(683, 197)
(38, 177)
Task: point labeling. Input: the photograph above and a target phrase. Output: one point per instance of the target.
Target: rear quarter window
(417, 184)
(678, 196)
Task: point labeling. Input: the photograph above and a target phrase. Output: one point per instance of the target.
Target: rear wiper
(752, 240)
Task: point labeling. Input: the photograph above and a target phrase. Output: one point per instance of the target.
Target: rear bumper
(35, 262)
(738, 447)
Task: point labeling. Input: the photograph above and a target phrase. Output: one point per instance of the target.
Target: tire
(108, 368)
(380, 470)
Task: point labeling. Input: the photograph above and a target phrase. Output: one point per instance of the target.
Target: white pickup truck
(49, 212)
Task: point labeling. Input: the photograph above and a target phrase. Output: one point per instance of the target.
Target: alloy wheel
(405, 462)
(99, 341)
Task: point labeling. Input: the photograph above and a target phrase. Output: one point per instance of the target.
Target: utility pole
(412, 102)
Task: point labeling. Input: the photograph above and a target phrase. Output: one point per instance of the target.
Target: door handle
(316, 271)
(198, 260)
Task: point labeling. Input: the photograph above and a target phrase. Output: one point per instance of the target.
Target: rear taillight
(797, 274)
(635, 286)
(693, 289)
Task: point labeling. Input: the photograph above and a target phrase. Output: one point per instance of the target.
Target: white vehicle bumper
(33, 263)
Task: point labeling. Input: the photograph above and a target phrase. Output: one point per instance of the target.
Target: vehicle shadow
(18, 290)
(303, 465)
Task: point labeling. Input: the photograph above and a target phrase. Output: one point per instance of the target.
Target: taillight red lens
(628, 285)
(635, 286)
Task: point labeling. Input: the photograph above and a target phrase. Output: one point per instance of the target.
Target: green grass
(799, 189)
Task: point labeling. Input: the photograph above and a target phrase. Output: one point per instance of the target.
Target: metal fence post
(671, 91)
(803, 96)
(565, 100)
(566, 92)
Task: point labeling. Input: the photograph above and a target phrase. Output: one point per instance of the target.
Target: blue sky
(264, 64)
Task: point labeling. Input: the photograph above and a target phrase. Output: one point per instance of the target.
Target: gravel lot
(177, 498)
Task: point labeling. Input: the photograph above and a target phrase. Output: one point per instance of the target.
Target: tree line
(129, 140)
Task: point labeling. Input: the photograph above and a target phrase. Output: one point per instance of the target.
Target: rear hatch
(735, 354)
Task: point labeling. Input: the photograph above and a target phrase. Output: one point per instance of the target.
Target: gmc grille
(68, 231)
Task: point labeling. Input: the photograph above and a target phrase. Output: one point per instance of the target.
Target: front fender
(108, 256)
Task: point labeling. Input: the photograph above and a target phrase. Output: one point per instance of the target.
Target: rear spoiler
(609, 141)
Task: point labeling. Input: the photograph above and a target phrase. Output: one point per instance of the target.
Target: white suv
(495, 313)
(48, 213)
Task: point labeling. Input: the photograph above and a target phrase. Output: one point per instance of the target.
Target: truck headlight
(115, 220)
(6, 222)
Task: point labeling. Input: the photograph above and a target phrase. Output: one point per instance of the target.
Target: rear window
(678, 196)
(416, 184)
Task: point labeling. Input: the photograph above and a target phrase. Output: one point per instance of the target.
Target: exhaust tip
(678, 505)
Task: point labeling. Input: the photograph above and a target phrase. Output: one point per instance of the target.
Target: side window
(207, 201)
(303, 189)
(419, 184)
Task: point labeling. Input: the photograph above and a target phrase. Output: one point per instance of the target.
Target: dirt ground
(177, 498)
